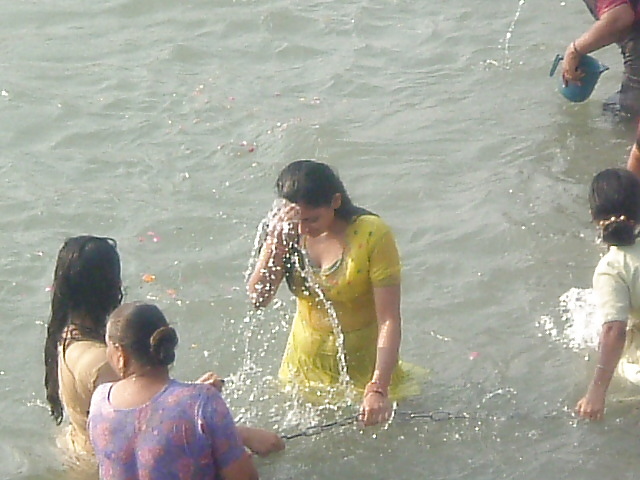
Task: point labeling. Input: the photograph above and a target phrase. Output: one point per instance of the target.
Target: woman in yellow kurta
(340, 261)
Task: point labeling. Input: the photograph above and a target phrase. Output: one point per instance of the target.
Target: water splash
(261, 233)
(578, 326)
(506, 41)
(260, 335)
(509, 34)
(346, 386)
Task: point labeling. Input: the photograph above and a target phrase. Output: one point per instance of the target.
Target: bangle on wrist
(575, 49)
(376, 387)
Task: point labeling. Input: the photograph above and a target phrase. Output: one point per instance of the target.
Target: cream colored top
(616, 284)
(79, 366)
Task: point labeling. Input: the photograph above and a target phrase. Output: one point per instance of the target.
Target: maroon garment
(627, 100)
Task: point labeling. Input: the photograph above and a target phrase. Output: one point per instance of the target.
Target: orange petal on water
(148, 278)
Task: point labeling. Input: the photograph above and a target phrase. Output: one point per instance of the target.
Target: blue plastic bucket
(579, 92)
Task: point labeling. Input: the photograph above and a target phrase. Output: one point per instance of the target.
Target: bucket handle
(559, 58)
(556, 62)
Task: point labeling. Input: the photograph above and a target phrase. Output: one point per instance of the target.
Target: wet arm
(241, 469)
(387, 303)
(612, 340)
(633, 164)
(376, 407)
(267, 274)
(259, 441)
(610, 28)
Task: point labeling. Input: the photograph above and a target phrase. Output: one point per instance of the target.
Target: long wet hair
(614, 200)
(315, 184)
(143, 331)
(86, 284)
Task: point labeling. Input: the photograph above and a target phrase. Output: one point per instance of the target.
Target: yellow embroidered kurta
(311, 362)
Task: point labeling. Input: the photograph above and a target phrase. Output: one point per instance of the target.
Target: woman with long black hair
(337, 259)
(86, 289)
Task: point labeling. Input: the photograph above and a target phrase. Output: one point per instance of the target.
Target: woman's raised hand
(282, 229)
(281, 234)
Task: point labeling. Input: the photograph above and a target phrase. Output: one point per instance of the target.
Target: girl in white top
(614, 200)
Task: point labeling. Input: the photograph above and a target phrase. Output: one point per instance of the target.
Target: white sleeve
(612, 295)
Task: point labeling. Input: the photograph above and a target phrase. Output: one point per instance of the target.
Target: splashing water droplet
(507, 60)
(578, 326)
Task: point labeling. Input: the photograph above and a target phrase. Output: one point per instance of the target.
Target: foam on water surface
(576, 324)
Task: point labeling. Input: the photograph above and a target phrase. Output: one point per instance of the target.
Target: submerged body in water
(342, 264)
(312, 355)
(614, 201)
(617, 21)
(617, 294)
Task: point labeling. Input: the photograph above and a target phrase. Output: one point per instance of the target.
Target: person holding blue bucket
(617, 21)
(589, 70)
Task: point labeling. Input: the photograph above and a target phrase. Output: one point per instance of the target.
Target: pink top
(603, 6)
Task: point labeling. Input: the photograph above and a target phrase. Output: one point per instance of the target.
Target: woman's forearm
(260, 441)
(387, 302)
(612, 340)
(267, 274)
(388, 348)
(633, 163)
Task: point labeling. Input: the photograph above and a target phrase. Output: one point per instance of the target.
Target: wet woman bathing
(319, 237)
(147, 425)
(615, 207)
(87, 287)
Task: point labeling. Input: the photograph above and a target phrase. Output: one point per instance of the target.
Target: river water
(164, 123)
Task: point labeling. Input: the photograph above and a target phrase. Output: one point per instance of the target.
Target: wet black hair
(142, 330)
(315, 184)
(614, 200)
(86, 283)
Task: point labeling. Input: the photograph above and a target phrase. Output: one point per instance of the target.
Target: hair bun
(163, 345)
(618, 230)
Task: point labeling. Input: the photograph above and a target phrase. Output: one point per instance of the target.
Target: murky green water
(163, 124)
